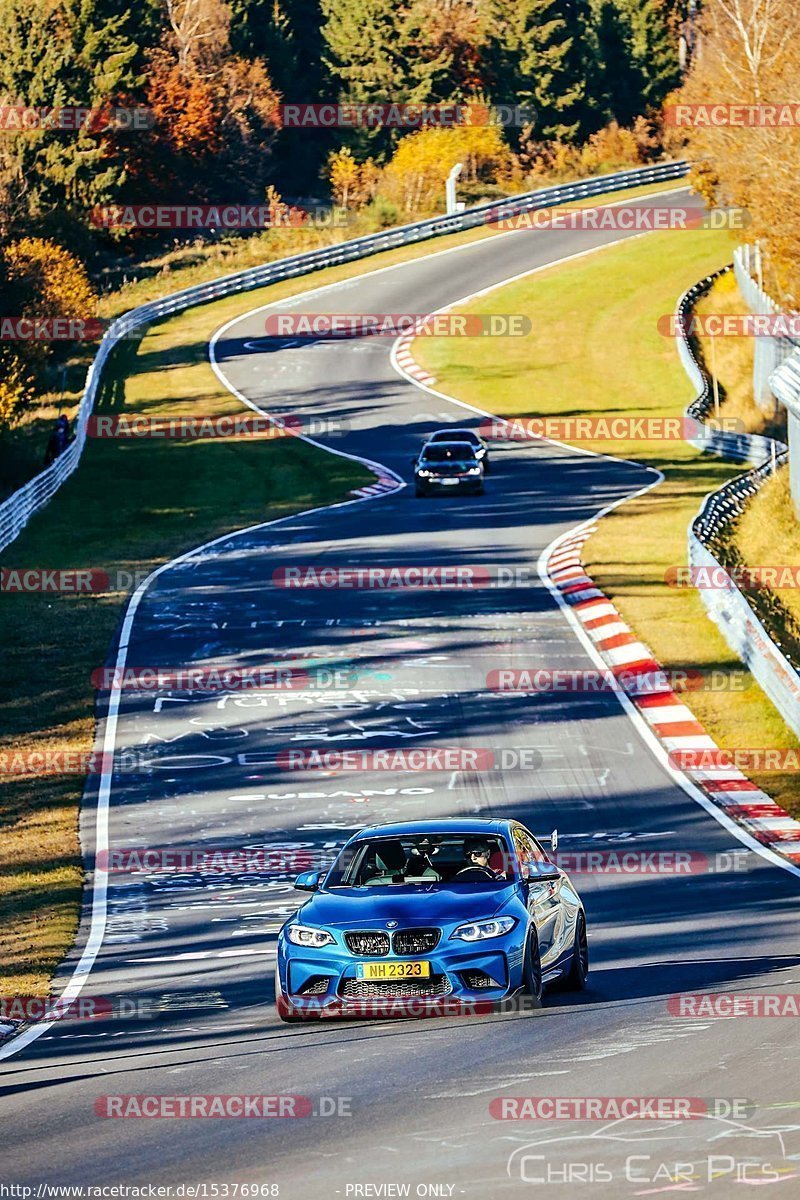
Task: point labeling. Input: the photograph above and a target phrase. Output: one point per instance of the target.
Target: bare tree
(754, 35)
(201, 32)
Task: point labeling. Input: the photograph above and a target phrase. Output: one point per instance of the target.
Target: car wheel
(575, 978)
(532, 970)
(419, 492)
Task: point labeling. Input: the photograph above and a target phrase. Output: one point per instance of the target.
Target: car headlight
(477, 931)
(474, 471)
(423, 472)
(304, 935)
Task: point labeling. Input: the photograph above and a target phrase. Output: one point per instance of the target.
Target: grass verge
(595, 349)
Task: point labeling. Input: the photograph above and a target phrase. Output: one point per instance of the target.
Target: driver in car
(478, 855)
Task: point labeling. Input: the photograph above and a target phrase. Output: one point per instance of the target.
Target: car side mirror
(308, 881)
(540, 872)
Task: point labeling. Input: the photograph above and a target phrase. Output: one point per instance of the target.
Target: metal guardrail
(727, 606)
(713, 438)
(17, 509)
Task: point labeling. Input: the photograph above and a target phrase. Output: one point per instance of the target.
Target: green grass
(595, 349)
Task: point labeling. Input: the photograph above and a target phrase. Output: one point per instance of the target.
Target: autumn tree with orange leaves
(216, 113)
(747, 53)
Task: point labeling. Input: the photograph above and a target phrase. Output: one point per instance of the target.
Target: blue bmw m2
(425, 911)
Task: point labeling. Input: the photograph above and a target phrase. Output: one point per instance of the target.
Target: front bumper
(457, 483)
(324, 982)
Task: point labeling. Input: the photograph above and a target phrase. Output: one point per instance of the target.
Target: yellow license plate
(393, 970)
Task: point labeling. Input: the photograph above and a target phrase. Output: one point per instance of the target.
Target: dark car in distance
(464, 435)
(447, 467)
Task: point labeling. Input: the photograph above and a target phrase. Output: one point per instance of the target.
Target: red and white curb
(384, 483)
(668, 718)
(405, 359)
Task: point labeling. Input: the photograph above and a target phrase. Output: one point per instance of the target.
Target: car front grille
(370, 942)
(415, 941)
(382, 989)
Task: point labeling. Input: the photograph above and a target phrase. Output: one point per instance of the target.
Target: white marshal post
(452, 204)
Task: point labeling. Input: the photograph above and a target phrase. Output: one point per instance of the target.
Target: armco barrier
(742, 447)
(16, 511)
(727, 607)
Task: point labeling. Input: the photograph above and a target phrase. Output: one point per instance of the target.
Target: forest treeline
(184, 102)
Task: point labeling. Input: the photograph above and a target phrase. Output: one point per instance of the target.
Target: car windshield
(452, 860)
(450, 452)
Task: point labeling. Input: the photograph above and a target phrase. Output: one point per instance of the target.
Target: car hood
(448, 468)
(358, 908)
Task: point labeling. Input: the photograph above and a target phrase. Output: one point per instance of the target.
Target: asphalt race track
(410, 1099)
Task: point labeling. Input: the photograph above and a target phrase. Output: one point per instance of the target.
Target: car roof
(444, 825)
(455, 432)
(454, 442)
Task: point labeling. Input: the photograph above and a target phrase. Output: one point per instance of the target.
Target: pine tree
(267, 29)
(73, 53)
(377, 52)
(637, 52)
(536, 57)
(618, 83)
(654, 43)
